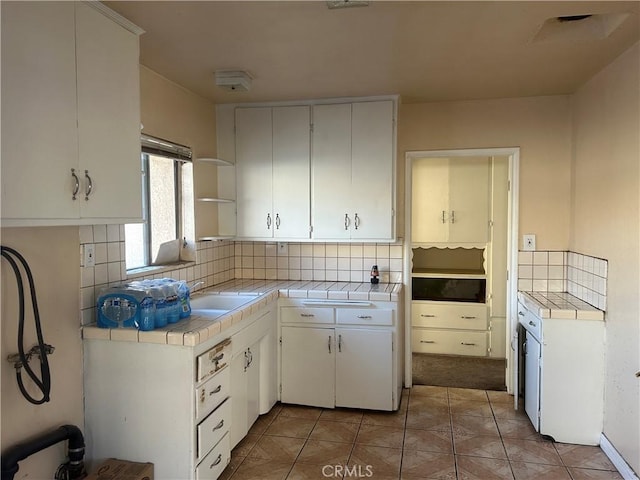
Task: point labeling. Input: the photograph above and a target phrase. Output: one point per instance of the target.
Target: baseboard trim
(621, 465)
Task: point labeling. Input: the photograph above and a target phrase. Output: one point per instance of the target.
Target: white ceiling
(421, 50)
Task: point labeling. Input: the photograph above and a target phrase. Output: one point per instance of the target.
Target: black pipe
(12, 455)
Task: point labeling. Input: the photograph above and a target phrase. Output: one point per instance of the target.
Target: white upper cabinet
(353, 171)
(450, 200)
(272, 172)
(71, 116)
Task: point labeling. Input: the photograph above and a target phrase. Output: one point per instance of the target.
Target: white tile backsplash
(581, 275)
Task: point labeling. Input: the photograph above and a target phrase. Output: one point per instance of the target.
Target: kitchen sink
(215, 304)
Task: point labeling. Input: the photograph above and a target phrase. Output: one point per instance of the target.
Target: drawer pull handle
(467, 344)
(427, 341)
(217, 390)
(427, 315)
(465, 317)
(638, 374)
(219, 426)
(329, 343)
(217, 462)
(531, 323)
(307, 315)
(365, 316)
(521, 314)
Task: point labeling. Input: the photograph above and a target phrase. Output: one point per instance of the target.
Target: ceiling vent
(581, 27)
(233, 80)
(346, 3)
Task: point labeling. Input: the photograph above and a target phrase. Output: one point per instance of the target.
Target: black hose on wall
(74, 468)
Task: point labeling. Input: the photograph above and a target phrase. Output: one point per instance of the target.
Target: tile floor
(438, 433)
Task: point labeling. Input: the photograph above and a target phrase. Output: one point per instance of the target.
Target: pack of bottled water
(144, 304)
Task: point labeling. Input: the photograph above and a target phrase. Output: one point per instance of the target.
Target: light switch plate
(89, 255)
(529, 242)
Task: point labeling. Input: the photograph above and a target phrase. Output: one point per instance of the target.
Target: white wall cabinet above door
(353, 171)
(272, 171)
(450, 200)
(70, 95)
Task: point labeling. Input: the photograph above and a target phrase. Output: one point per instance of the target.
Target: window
(167, 204)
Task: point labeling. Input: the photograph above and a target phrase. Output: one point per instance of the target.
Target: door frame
(511, 322)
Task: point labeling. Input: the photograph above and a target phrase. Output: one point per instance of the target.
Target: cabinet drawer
(212, 393)
(213, 428)
(213, 360)
(530, 321)
(215, 462)
(364, 316)
(306, 315)
(453, 342)
(434, 315)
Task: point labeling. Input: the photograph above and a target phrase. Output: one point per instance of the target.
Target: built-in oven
(443, 289)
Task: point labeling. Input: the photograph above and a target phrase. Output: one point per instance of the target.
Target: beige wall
(540, 126)
(52, 254)
(174, 113)
(606, 224)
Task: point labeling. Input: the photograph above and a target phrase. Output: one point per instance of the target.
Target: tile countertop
(198, 328)
(560, 305)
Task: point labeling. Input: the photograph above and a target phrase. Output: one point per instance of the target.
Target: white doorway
(414, 159)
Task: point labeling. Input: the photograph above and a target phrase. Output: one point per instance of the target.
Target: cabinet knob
(638, 374)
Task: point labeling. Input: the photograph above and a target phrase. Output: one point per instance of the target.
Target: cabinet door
(532, 380)
(254, 173)
(372, 166)
(430, 200)
(39, 134)
(331, 172)
(469, 199)
(253, 384)
(108, 116)
(291, 170)
(364, 369)
(308, 366)
(239, 398)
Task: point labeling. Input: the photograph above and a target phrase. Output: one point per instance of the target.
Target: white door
(364, 369)
(39, 116)
(372, 186)
(308, 366)
(532, 380)
(291, 170)
(331, 172)
(469, 197)
(430, 200)
(108, 117)
(239, 398)
(254, 173)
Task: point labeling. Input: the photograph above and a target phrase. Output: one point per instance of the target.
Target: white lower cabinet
(327, 364)
(182, 408)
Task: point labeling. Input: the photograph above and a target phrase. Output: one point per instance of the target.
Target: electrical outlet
(90, 255)
(283, 248)
(529, 242)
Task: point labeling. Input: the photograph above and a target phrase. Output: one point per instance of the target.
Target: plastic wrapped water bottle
(160, 318)
(147, 313)
(170, 289)
(184, 300)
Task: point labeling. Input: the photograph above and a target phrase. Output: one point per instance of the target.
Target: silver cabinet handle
(467, 317)
(356, 221)
(521, 314)
(339, 343)
(365, 316)
(218, 389)
(329, 344)
(250, 357)
(427, 341)
(531, 323)
(76, 187)
(307, 315)
(638, 374)
(443, 216)
(346, 221)
(89, 188)
(268, 221)
(453, 216)
(219, 426)
(524, 347)
(217, 462)
(467, 344)
(277, 221)
(427, 315)
(246, 360)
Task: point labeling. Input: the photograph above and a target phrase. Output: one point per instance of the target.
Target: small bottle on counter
(375, 274)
